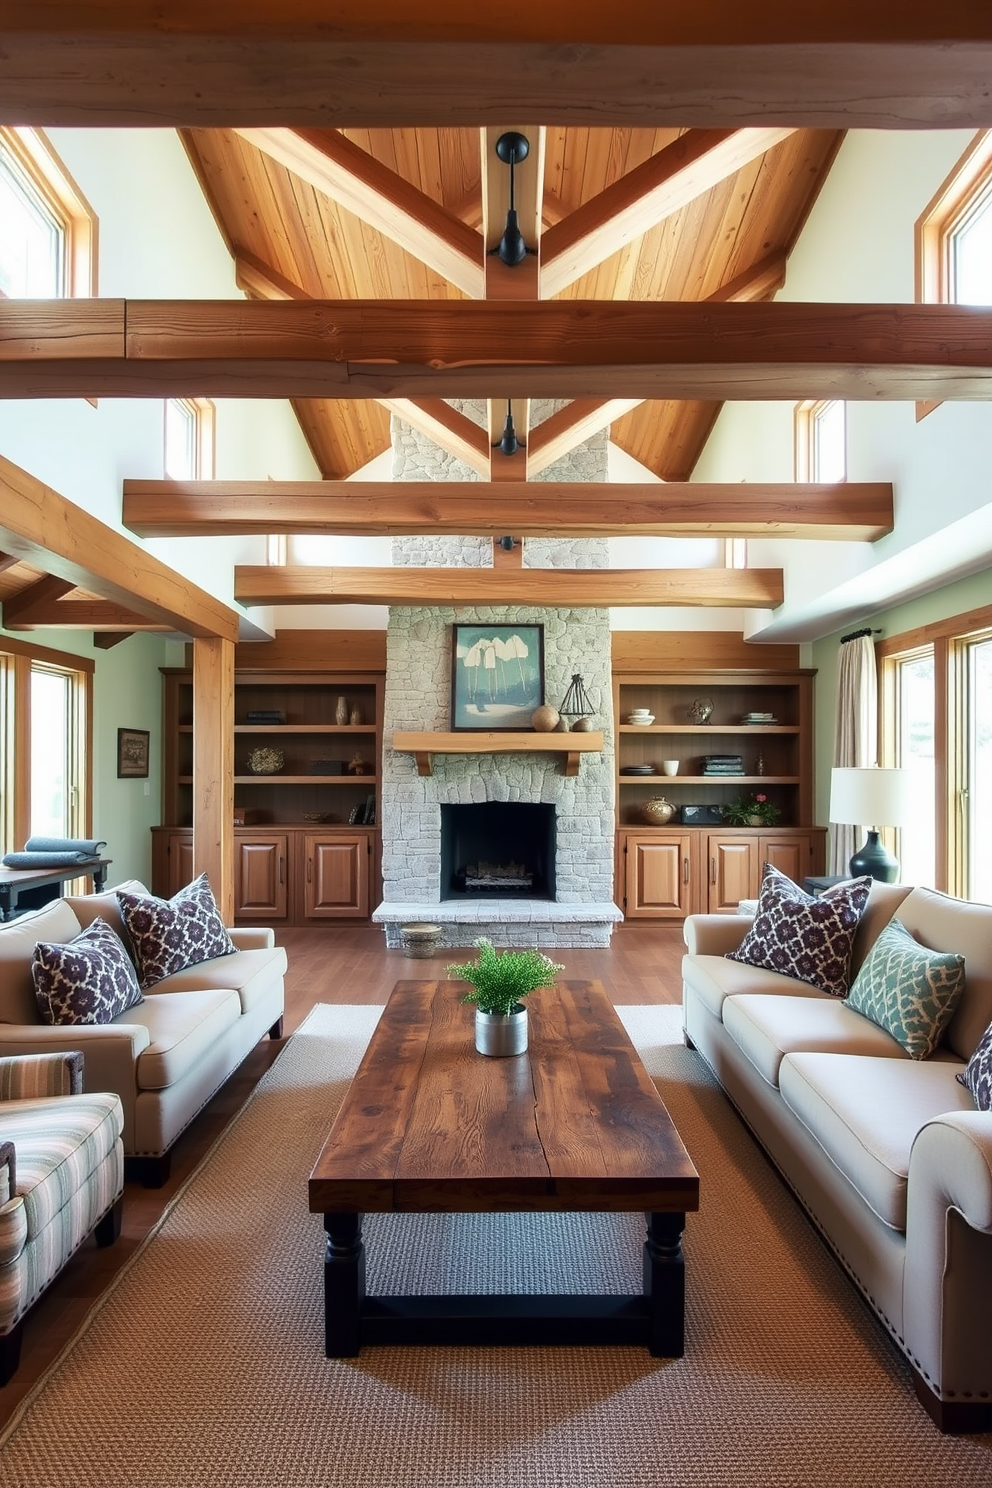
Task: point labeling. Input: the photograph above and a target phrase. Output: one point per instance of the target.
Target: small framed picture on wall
(132, 753)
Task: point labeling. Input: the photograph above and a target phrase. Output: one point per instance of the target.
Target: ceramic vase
(341, 711)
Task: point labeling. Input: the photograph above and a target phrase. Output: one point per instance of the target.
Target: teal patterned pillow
(908, 990)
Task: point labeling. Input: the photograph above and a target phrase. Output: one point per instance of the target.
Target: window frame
(35, 157)
(949, 640)
(19, 659)
(969, 179)
(806, 414)
(204, 414)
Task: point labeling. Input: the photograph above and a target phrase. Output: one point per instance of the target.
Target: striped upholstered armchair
(61, 1179)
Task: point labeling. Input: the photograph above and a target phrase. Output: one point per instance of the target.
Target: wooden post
(213, 767)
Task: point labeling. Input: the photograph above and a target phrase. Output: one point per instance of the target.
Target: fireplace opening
(498, 849)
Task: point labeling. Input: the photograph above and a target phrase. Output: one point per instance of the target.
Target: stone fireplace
(500, 849)
(573, 903)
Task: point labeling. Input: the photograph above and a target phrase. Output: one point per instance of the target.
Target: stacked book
(759, 718)
(265, 715)
(723, 764)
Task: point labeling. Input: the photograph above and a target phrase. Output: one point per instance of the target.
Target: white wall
(858, 246)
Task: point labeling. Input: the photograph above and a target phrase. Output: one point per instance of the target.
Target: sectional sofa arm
(951, 1165)
(13, 1224)
(253, 938)
(8, 1176)
(28, 1076)
(714, 934)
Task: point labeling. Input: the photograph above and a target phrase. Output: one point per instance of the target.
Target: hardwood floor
(343, 964)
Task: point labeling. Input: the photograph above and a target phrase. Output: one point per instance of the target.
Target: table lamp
(881, 797)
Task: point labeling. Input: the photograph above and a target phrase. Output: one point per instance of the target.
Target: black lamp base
(876, 861)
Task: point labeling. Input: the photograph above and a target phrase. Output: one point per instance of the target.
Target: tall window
(821, 440)
(189, 439)
(976, 768)
(937, 723)
(969, 251)
(45, 743)
(52, 754)
(47, 228)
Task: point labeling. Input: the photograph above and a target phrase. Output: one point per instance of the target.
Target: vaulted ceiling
(681, 223)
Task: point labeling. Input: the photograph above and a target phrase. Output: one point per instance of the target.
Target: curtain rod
(857, 634)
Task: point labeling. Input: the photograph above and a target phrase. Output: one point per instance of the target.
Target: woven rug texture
(203, 1366)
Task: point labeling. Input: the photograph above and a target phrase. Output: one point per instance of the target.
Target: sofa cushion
(945, 924)
(88, 979)
(166, 935)
(766, 1028)
(977, 1076)
(56, 922)
(250, 973)
(181, 1026)
(802, 936)
(715, 978)
(908, 990)
(865, 1113)
(86, 907)
(59, 1144)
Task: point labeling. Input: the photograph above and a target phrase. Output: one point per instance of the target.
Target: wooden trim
(330, 163)
(660, 651)
(315, 650)
(466, 348)
(213, 768)
(67, 659)
(571, 426)
(965, 624)
(485, 586)
(45, 529)
(948, 733)
(847, 511)
(22, 748)
(205, 62)
(423, 746)
(449, 429)
(642, 198)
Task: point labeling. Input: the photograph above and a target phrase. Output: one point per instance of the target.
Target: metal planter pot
(501, 1034)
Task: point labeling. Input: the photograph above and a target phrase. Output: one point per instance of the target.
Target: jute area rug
(203, 1365)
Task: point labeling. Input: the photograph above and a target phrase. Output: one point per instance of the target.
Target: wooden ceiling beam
(209, 63)
(42, 528)
(572, 349)
(759, 282)
(691, 165)
(448, 428)
(734, 587)
(6, 561)
(331, 164)
(851, 511)
(571, 426)
(105, 640)
(19, 609)
(261, 281)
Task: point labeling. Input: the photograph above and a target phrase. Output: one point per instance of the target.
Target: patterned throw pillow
(977, 1075)
(908, 990)
(87, 980)
(167, 935)
(805, 937)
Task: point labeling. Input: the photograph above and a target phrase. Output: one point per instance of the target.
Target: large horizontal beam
(418, 348)
(577, 588)
(850, 511)
(210, 63)
(51, 533)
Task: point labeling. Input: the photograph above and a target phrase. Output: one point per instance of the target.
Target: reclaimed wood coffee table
(430, 1126)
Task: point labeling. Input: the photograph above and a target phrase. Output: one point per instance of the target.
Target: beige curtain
(855, 734)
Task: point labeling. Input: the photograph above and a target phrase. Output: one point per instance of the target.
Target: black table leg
(344, 1285)
(664, 1285)
(99, 878)
(5, 892)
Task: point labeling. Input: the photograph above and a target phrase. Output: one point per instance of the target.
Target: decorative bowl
(641, 720)
(266, 761)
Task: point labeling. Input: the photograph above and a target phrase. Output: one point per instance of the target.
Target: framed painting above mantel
(497, 676)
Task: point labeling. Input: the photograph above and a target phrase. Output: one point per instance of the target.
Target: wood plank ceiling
(296, 241)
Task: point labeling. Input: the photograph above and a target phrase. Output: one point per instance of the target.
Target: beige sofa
(888, 1154)
(166, 1057)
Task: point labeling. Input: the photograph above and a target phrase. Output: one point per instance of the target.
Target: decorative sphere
(658, 812)
(545, 719)
(582, 726)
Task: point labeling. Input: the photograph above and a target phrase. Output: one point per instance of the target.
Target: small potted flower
(499, 980)
(751, 811)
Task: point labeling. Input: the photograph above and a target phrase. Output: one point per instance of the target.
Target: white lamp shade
(870, 797)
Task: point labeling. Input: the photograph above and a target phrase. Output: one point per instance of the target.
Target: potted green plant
(500, 979)
(751, 811)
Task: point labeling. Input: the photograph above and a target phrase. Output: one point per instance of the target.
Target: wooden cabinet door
(792, 856)
(260, 875)
(658, 876)
(179, 852)
(733, 871)
(335, 877)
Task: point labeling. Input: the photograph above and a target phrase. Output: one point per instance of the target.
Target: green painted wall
(127, 693)
(941, 604)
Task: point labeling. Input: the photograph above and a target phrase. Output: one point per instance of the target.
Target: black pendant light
(509, 443)
(511, 149)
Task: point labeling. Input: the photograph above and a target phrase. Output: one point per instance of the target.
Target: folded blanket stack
(55, 852)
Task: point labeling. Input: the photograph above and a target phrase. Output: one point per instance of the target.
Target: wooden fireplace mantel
(423, 746)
